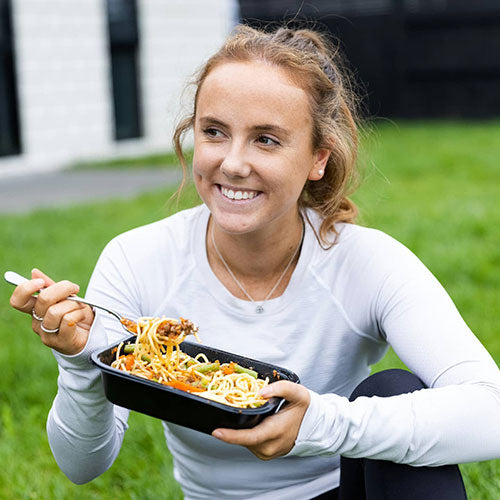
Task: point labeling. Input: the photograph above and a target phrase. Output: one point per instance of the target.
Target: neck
(256, 259)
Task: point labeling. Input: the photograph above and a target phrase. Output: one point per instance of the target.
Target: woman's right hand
(72, 319)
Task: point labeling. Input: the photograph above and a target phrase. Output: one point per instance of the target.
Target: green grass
(433, 186)
(158, 160)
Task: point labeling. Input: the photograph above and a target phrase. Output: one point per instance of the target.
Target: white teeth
(238, 195)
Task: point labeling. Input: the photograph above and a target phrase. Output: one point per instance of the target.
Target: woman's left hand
(275, 436)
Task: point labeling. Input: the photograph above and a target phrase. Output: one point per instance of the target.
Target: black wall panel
(10, 141)
(415, 58)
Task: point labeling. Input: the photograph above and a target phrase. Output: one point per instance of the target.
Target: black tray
(184, 408)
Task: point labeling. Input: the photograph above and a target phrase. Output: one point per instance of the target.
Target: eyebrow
(266, 127)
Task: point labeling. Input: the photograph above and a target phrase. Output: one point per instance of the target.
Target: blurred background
(90, 91)
(93, 79)
(102, 78)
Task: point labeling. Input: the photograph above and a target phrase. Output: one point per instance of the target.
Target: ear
(321, 156)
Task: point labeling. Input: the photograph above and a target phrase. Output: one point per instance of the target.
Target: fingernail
(217, 434)
(266, 392)
(39, 282)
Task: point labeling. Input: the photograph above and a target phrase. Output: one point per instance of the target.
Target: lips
(238, 194)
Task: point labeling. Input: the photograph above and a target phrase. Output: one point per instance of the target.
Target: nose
(235, 162)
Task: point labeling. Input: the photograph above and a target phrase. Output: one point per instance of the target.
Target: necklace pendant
(259, 309)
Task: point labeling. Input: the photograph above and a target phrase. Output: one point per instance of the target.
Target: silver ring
(35, 315)
(47, 330)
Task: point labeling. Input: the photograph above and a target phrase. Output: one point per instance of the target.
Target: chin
(234, 223)
(234, 227)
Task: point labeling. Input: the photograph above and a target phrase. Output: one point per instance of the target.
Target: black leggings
(366, 479)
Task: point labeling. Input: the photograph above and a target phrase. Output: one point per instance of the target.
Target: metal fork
(16, 279)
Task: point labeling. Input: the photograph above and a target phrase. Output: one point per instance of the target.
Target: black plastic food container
(184, 408)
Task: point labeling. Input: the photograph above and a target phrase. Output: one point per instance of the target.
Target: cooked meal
(156, 356)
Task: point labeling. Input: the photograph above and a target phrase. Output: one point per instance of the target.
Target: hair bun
(303, 39)
(314, 39)
(310, 42)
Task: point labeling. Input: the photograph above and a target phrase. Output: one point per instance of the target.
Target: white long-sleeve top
(340, 311)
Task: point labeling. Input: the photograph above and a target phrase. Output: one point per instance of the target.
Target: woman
(272, 267)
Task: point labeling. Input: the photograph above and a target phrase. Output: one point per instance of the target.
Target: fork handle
(75, 298)
(16, 279)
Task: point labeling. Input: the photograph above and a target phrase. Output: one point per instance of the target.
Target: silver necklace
(259, 306)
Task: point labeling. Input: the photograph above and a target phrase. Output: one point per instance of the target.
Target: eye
(212, 132)
(267, 141)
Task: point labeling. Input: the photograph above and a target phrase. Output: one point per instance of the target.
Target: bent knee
(388, 383)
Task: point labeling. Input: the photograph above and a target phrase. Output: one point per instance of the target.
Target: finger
(54, 315)
(53, 294)
(70, 339)
(269, 429)
(75, 319)
(22, 298)
(244, 437)
(36, 273)
(66, 339)
(292, 392)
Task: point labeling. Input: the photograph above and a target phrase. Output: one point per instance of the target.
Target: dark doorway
(124, 49)
(10, 142)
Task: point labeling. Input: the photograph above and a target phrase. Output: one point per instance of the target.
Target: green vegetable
(207, 367)
(130, 348)
(187, 363)
(240, 369)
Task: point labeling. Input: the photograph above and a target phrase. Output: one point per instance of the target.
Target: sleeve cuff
(318, 433)
(97, 339)
(309, 422)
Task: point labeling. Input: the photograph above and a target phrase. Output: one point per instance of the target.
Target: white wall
(177, 35)
(63, 74)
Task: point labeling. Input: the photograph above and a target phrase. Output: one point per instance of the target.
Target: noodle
(156, 356)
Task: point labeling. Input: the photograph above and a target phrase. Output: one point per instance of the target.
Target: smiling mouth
(238, 194)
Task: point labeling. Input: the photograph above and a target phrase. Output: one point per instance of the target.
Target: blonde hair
(313, 64)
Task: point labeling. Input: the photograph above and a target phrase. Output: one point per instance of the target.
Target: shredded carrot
(129, 364)
(71, 323)
(227, 370)
(183, 386)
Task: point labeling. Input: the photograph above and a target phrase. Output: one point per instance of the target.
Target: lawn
(433, 186)
(158, 160)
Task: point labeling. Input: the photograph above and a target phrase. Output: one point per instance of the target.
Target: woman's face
(253, 146)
